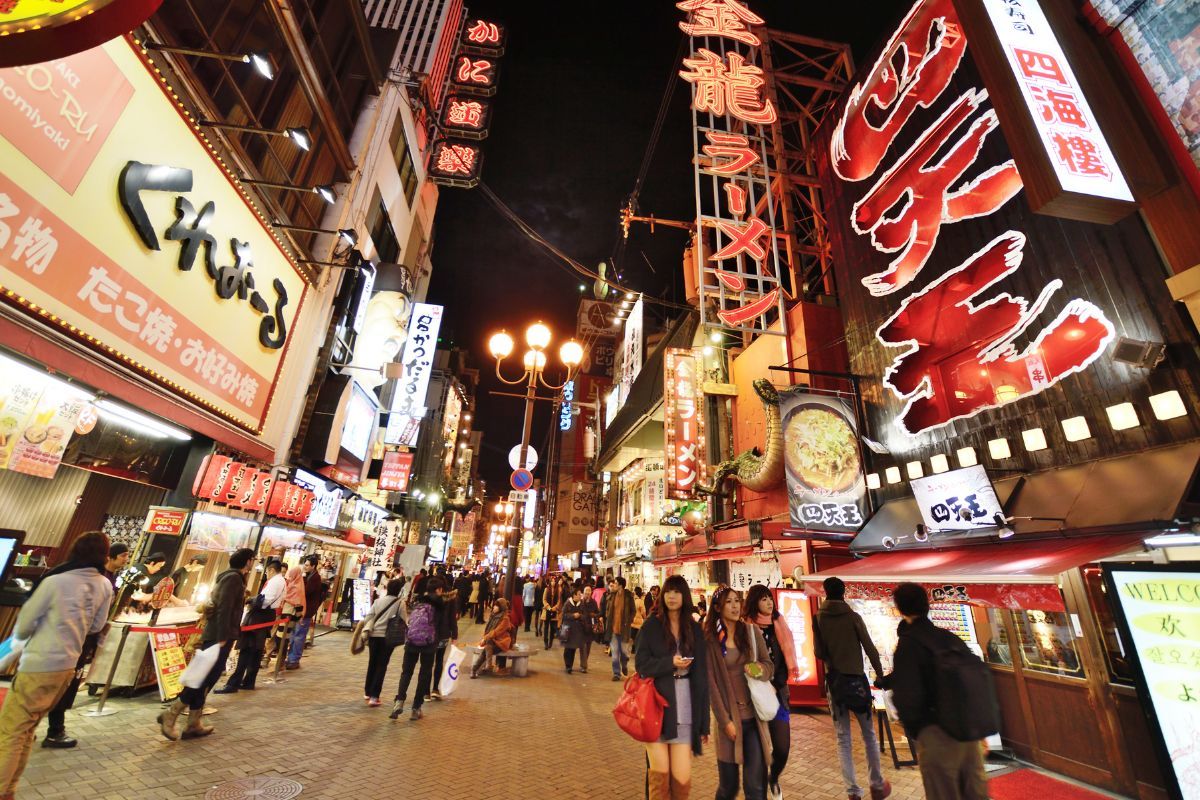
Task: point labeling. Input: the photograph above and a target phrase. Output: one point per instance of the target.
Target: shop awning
(333, 543)
(1143, 491)
(1005, 575)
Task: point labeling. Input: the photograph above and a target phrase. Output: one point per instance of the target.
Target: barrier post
(282, 650)
(100, 710)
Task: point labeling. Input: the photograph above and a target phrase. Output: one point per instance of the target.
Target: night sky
(577, 100)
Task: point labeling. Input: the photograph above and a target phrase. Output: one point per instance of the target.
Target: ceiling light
(628, 295)
(892, 474)
(1076, 429)
(348, 236)
(1122, 416)
(707, 350)
(1035, 439)
(1173, 540)
(261, 63)
(967, 457)
(300, 137)
(939, 464)
(145, 424)
(715, 337)
(1168, 405)
(915, 470)
(998, 448)
(873, 480)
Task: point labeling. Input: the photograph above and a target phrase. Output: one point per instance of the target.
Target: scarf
(764, 620)
(722, 635)
(294, 591)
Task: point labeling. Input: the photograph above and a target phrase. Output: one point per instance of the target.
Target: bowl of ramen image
(821, 449)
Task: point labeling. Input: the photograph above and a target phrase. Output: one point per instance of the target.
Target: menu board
(219, 533)
(37, 418)
(1158, 610)
(361, 594)
(169, 663)
(796, 610)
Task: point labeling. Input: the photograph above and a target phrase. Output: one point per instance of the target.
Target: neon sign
(684, 424)
(564, 413)
(960, 353)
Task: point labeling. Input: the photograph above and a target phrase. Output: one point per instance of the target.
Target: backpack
(964, 694)
(422, 625)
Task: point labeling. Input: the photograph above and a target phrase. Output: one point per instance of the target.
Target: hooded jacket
(294, 594)
(842, 638)
(499, 627)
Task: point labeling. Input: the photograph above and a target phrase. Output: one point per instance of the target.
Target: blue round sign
(521, 480)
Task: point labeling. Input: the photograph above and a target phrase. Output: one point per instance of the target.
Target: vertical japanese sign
(1158, 609)
(465, 115)
(632, 349)
(826, 487)
(565, 418)
(417, 360)
(683, 424)
(740, 280)
(963, 346)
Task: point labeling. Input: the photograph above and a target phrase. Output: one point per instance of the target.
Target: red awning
(1006, 575)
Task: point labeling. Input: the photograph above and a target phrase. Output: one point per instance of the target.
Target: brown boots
(166, 720)
(680, 791)
(659, 785)
(196, 727)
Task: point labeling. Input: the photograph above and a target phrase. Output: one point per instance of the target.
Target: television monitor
(9, 541)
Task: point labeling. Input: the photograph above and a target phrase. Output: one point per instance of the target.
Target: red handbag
(639, 712)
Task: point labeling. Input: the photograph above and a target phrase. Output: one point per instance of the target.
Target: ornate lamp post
(538, 337)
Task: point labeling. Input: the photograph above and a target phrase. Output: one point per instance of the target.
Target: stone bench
(518, 658)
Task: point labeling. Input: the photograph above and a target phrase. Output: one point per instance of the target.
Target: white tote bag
(202, 663)
(762, 693)
(450, 670)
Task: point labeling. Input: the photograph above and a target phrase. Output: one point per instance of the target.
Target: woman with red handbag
(670, 649)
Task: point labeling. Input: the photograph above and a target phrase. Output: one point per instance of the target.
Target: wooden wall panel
(1014, 728)
(1059, 708)
(1140, 746)
(42, 508)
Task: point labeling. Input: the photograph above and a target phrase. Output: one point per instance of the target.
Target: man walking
(63, 611)
(618, 619)
(221, 630)
(314, 595)
(447, 633)
(840, 641)
(951, 761)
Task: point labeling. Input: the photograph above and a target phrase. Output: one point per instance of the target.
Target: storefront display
(796, 609)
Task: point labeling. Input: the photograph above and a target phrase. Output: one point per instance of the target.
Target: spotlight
(889, 543)
(1003, 529)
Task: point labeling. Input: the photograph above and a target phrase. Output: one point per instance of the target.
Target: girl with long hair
(670, 649)
(762, 612)
(737, 654)
(552, 600)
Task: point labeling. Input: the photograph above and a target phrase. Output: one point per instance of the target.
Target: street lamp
(538, 336)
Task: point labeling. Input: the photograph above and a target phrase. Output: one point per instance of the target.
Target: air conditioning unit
(1138, 353)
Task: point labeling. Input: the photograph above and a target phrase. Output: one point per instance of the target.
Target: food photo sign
(826, 487)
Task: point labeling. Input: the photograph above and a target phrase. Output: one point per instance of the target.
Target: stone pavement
(549, 735)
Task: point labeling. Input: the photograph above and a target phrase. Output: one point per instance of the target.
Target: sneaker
(397, 709)
(59, 741)
(616, 678)
(774, 791)
(290, 665)
(881, 792)
(428, 697)
(435, 695)
(374, 702)
(416, 714)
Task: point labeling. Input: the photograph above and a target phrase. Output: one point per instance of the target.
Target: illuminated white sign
(564, 412)
(1074, 143)
(957, 500)
(417, 359)
(631, 351)
(327, 503)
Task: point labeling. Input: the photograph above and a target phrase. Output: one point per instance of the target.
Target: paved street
(550, 735)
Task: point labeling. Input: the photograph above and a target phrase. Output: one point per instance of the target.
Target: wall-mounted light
(299, 136)
(324, 190)
(873, 480)
(256, 58)
(1002, 528)
(1076, 429)
(967, 457)
(998, 449)
(915, 470)
(347, 235)
(1122, 416)
(939, 463)
(1035, 439)
(1168, 405)
(892, 474)
(921, 533)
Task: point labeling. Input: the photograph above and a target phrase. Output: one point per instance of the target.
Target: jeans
(379, 653)
(550, 629)
(32, 695)
(754, 769)
(528, 617)
(841, 722)
(950, 769)
(194, 698)
(781, 740)
(620, 661)
(296, 648)
(411, 656)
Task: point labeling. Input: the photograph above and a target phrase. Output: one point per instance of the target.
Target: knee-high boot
(680, 791)
(659, 784)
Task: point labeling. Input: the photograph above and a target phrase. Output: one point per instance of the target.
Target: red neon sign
(684, 424)
(727, 18)
(960, 353)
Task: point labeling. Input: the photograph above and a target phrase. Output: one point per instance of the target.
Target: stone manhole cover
(266, 788)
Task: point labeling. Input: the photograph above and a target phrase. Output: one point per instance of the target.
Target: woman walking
(670, 649)
(762, 613)
(263, 609)
(497, 638)
(473, 601)
(552, 601)
(421, 645)
(379, 652)
(737, 654)
(579, 619)
(539, 597)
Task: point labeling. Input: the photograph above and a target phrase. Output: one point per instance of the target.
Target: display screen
(8, 549)
(437, 547)
(1158, 610)
(359, 423)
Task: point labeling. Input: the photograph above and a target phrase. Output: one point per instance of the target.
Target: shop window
(996, 649)
(1047, 643)
(404, 160)
(1119, 670)
(383, 233)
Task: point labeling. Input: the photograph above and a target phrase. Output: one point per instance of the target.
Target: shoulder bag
(762, 693)
(639, 711)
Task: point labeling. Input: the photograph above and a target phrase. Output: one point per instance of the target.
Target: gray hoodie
(60, 614)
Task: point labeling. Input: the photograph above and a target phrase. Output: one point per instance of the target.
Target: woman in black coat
(670, 649)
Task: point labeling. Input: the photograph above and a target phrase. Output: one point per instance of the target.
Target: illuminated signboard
(437, 546)
(467, 116)
(957, 500)
(396, 471)
(36, 31)
(417, 359)
(823, 463)
(796, 610)
(1158, 612)
(632, 349)
(958, 343)
(481, 36)
(456, 162)
(1068, 166)
(403, 429)
(564, 412)
(358, 425)
(684, 424)
(144, 250)
(327, 501)
(472, 74)
(451, 415)
(740, 278)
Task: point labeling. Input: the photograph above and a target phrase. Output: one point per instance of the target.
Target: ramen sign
(683, 424)
(826, 488)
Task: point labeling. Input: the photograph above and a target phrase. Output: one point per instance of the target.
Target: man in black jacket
(447, 632)
(220, 630)
(950, 769)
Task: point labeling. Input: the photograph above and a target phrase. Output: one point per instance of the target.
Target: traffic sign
(521, 479)
(531, 457)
